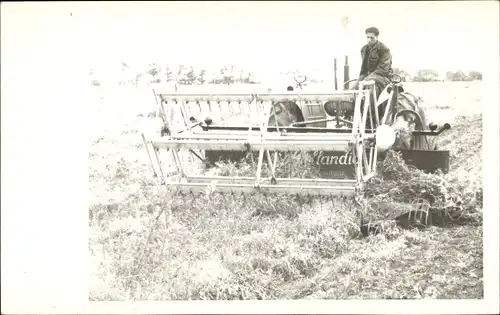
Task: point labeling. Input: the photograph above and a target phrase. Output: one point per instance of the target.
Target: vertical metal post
(346, 72)
(335, 72)
(345, 29)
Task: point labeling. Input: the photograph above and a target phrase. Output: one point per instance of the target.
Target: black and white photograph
(278, 150)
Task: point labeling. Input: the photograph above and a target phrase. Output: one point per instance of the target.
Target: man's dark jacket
(377, 64)
(376, 59)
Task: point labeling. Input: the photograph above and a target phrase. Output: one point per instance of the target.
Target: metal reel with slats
(350, 151)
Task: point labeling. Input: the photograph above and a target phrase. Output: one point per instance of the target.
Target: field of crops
(147, 244)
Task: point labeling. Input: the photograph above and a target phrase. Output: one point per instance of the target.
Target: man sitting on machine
(376, 62)
(376, 66)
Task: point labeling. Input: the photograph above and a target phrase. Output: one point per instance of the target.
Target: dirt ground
(146, 245)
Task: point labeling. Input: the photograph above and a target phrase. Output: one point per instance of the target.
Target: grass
(149, 244)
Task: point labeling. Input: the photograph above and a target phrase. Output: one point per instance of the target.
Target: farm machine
(345, 131)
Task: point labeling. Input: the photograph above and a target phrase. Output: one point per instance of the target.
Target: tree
(250, 78)
(190, 76)
(201, 76)
(124, 67)
(181, 74)
(227, 75)
(458, 75)
(426, 75)
(185, 75)
(168, 74)
(240, 80)
(137, 78)
(154, 70)
(476, 75)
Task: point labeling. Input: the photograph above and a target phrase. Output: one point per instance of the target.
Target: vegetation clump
(150, 243)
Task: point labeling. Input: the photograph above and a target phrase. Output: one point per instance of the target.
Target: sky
(263, 36)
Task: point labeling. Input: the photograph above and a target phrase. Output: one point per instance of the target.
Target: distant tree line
(180, 74)
(154, 73)
(429, 75)
(461, 76)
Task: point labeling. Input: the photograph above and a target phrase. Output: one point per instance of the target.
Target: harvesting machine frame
(358, 140)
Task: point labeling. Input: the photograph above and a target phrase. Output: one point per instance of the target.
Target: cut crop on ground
(149, 244)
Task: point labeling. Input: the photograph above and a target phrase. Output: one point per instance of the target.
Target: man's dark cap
(373, 30)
